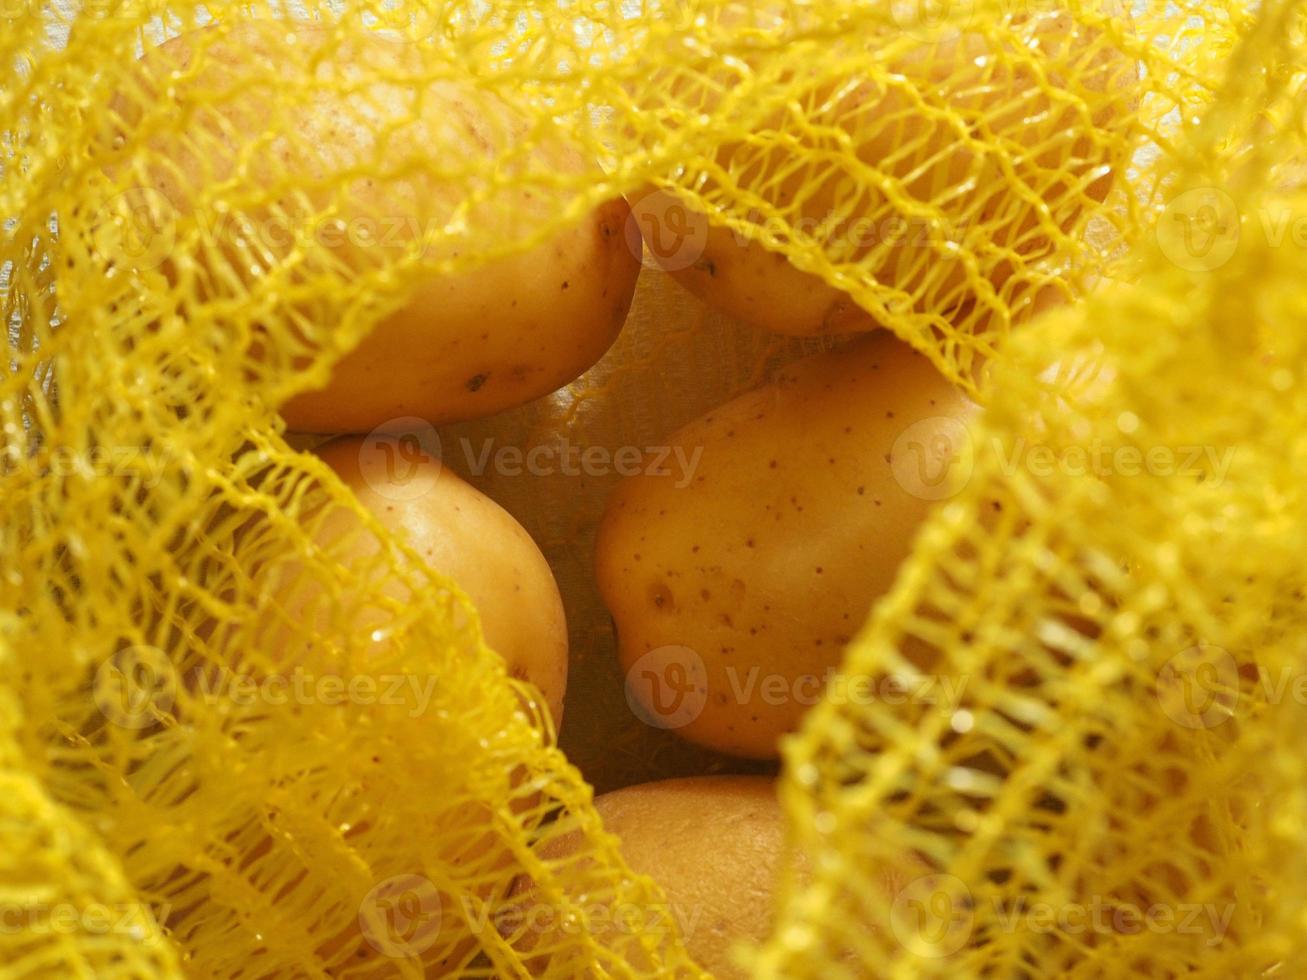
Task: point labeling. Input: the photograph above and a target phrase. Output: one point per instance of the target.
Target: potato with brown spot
(292, 146)
(735, 596)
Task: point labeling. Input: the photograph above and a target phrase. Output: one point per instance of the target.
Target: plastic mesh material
(69, 910)
(1117, 792)
(157, 532)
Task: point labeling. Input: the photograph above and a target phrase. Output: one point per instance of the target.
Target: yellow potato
(461, 346)
(734, 596)
(716, 846)
(466, 536)
(944, 170)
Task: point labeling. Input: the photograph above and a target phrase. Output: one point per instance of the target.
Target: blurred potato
(716, 846)
(956, 142)
(362, 173)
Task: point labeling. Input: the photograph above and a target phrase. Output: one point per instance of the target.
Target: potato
(464, 535)
(716, 846)
(735, 596)
(949, 179)
(469, 538)
(460, 346)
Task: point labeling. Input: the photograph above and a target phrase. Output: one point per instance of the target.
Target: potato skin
(487, 340)
(769, 561)
(466, 536)
(716, 845)
(748, 280)
(460, 346)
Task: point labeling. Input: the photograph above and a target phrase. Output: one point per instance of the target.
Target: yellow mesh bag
(157, 530)
(69, 910)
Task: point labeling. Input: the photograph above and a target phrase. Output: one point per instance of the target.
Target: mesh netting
(160, 543)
